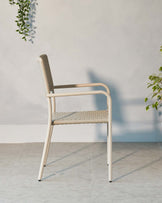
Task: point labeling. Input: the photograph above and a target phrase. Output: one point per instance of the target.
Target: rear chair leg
(45, 151)
(109, 139)
(107, 146)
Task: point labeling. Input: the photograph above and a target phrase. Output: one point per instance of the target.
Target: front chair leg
(45, 159)
(45, 152)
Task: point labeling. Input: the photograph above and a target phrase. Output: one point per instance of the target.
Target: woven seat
(60, 118)
(78, 117)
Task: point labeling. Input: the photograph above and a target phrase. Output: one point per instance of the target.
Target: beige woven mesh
(80, 117)
(47, 72)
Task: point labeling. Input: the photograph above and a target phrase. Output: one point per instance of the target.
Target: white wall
(110, 41)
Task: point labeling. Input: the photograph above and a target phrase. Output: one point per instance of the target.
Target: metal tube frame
(51, 109)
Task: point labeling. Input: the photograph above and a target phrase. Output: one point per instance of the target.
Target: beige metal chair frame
(59, 118)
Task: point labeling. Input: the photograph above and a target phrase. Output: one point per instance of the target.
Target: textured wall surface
(109, 41)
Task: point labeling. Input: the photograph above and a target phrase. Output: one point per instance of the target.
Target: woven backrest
(46, 73)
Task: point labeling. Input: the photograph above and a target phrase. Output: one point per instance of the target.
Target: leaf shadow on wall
(31, 21)
(118, 115)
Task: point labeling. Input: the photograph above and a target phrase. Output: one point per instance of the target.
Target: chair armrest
(82, 85)
(78, 94)
(109, 102)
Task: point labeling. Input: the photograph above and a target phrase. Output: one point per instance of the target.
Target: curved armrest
(78, 94)
(82, 85)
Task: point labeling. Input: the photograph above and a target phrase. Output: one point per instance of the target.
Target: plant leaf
(146, 99)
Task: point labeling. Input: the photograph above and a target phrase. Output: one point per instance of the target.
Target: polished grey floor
(77, 172)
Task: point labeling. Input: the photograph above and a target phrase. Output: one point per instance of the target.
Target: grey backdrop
(112, 41)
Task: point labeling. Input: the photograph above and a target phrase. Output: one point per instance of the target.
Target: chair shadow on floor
(84, 161)
(70, 154)
(74, 165)
(78, 164)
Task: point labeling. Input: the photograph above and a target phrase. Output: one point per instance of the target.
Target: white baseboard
(71, 133)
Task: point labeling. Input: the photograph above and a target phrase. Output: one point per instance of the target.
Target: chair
(82, 117)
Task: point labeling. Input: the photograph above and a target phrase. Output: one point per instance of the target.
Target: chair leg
(107, 145)
(45, 159)
(45, 151)
(109, 139)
